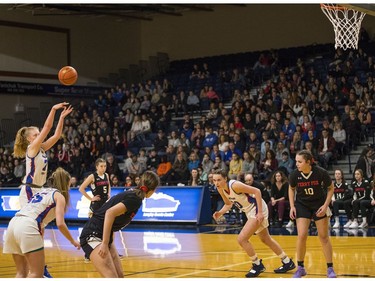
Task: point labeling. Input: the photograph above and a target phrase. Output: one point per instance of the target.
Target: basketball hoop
(346, 24)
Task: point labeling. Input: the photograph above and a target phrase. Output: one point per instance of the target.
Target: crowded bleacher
(248, 113)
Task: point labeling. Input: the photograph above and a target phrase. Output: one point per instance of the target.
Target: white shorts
(252, 214)
(26, 193)
(22, 236)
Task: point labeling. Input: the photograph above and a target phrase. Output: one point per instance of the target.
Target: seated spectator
(134, 167)
(268, 165)
(235, 167)
(164, 167)
(219, 164)
(193, 162)
(249, 180)
(339, 135)
(286, 164)
(195, 178)
(212, 95)
(366, 163)
(129, 182)
(364, 117)
(210, 139)
(280, 148)
(326, 149)
(249, 166)
(206, 164)
(160, 142)
(255, 153)
(279, 197)
(115, 181)
(153, 161)
(296, 144)
(192, 102)
(179, 172)
(352, 128)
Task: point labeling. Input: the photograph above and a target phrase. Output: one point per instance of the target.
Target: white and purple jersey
(245, 202)
(36, 169)
(41, 207)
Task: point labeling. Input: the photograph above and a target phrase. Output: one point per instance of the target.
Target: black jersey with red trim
(311, 188)
(132, 203)
(100, 186)
(361, 190)
(342, 191)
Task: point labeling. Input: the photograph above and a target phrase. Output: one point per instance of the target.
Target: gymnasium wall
(232, 29)
(99, 46)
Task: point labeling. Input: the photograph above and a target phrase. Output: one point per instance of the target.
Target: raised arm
(37, 143)
(58, 131)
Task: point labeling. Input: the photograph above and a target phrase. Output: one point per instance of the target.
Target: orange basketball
(67, 75)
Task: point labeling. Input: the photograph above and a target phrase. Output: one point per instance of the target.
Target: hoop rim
(337, 7)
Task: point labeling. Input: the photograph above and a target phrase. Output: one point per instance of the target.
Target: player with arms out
(97, 234)
(310, 193)
(249, 200)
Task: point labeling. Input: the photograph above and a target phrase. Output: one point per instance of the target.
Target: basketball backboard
(369, 9)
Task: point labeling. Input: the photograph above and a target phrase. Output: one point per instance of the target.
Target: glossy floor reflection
(210, 251)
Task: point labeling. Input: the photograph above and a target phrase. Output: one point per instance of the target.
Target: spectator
(192, 102)
(326, 148)
(279, 197)
(164, 167)
(286, 164)
(235, 167)
(366, 163)
(210, 139)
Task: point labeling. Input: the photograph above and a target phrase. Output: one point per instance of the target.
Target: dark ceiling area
(146, 12)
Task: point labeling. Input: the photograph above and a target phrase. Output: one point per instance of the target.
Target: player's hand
(292, 213)
(76, 244)
(95, 198)
(321, 211)
(60, 105)
(66, 111)
(259, 217)
(103, 250)
(217, 216)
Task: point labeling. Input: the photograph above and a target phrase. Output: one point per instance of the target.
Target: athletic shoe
(285, 267)
(120, 256)
(290, 224)
(256, 270)
(363, 224)
(354, 224)
(336, 225)
(300, 272)
(348, 223)
(87, 260)
(331, 273)
(46, 273)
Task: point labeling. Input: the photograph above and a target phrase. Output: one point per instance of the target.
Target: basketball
(67, 75)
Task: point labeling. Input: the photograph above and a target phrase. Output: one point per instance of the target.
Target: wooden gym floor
(165, 251)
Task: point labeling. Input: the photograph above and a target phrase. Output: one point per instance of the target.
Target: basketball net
(346, 24)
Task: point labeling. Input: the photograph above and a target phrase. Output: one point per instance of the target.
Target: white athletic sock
(255, 260)
(284, 257)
